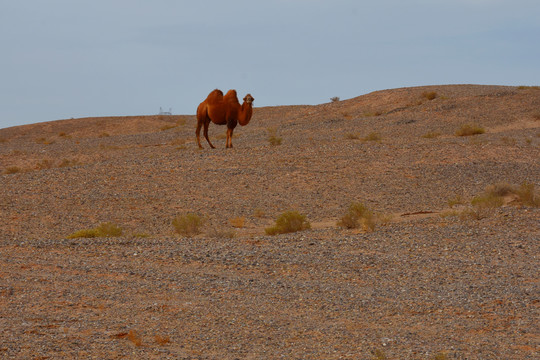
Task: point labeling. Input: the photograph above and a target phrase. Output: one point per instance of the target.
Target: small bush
(357, 216)
(134, 337)
(222, 233)
(273, 139)
(188, 224)
(352, 136)
(536, 116)
(469, 130)
(431, 135)
(527, 195)
(523, 87)
(288, 222)
(162, 340)
(238, 222)
(373, 136)
(335, 99)
(104, 230)
(430, 95)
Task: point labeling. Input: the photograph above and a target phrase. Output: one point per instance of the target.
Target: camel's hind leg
(198, 133)
(206, 125)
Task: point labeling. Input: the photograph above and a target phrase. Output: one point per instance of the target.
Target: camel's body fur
(223, 110)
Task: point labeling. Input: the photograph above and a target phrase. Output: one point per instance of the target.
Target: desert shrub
(238, 222)
(44, 141)
(469, 130)
(167, 127)
(379, 355)
(288, 222)
(357, 216)
(222, 233)
(162, 340)
(373, 113)
(273, 139)
(134, 337)
(69, 163)
(431, 135)
(487, 200)
(430, 95)
(103, 230)
(352, 136)
(335, 99)
(536, 116)
(527, 195)
(523, 87)
(456, 200)
(373, 136)
(188, 224)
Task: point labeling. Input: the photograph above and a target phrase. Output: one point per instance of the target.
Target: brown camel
(223, 110)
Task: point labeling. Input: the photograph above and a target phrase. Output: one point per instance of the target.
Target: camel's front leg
(206, 124)
(229, 138)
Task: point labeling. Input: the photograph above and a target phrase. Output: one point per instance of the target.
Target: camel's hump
(231, 96)
(216, 95)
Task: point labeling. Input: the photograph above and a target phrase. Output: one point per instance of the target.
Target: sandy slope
(416, 286)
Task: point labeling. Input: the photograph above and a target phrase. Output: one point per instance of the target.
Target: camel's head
(249, 99)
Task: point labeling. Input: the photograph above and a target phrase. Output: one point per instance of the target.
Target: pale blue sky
(70, 58)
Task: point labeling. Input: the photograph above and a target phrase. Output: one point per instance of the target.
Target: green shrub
(103, 230)
(288, 222)
(357, 216)
(469, 130)
(188, 224)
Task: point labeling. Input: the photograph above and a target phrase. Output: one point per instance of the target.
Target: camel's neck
(245, 114)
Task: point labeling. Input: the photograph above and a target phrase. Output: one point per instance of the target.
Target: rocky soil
(421, 285)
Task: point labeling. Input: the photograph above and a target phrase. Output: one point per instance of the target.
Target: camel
(223, 110)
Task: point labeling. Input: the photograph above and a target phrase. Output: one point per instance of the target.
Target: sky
(65, 59)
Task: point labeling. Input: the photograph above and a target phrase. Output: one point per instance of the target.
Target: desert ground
(436, 276)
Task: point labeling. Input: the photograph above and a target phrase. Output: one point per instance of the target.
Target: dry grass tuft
(431, 135)
(430, 95)
(273, 139)
(469, 130)
(238, 222)
(288, 222)
(134, 337)
(162, 340)
(221, 233)
(523, 87)
(373, 136)
(103, 230)
(358, 215)
(352, 136)
(188, 224)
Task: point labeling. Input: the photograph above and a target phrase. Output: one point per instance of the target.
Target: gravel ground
(420, 286)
